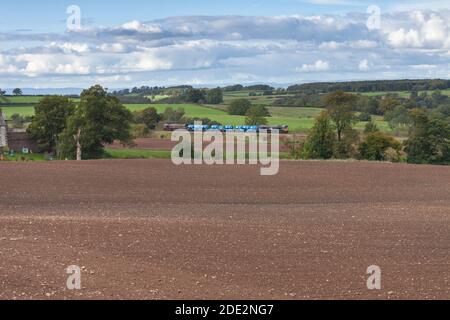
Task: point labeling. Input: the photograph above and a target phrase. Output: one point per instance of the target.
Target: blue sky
(137, 42)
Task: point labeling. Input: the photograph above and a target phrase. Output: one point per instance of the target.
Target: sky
(122, 44)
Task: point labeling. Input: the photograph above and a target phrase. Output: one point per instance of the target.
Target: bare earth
(146, 229)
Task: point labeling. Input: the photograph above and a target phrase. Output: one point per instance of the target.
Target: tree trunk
(77, 141)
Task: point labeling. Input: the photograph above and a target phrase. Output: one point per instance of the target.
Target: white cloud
(140, 27)
(402, 39)
(318, 66)
(364, 65)
(227, 49)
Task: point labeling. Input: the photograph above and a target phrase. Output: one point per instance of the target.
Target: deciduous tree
(49, 121)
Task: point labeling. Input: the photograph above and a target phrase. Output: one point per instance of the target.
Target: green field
(402, 94)
(294, 112)
(22, 110)
(137, 154)
(298, 119)
(228, 97)
(191, 110)
(25, 157)
(22, 99)
(157, 98)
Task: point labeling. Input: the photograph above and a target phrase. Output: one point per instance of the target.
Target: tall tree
(194, 95)
(239, 107)
(429, 139)
(17, 92)
(98, 120)
(339, 105)
(321, 140)
(214, 96)
(50, 119)
(256, 116)
(388, 103)
(149, 117)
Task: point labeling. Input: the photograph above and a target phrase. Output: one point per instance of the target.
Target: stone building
(14, 139)
(3, 131)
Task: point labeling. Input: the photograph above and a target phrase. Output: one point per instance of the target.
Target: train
(283, 129)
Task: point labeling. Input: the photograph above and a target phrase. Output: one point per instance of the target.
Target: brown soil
(146, 229)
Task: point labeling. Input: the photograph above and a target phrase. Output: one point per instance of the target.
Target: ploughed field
(146, 229)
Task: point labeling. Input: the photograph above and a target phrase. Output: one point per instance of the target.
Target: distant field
(157, 97)
(257, 100)
(23, 99)
(294, 112)
(298, 119)
(403, 94)
(192, 110)
(22, 110)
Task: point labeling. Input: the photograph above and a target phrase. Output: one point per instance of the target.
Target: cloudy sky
(206, 43)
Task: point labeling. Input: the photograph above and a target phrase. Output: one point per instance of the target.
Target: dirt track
(146, 229)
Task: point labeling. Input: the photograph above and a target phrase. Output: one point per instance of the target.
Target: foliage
(50, 119)
(388, 104)
(375, 145)
(373, 86)
(149, 117)
(204, 121)
(239, 107)
(429, 139)
(101, 119)
(339, 106)
(256, 116)
(364, 117)
(296, 147)
(346, 147)
(194, 96)
(17, 92)
(18, 121)
(214, 96)
(370, 127)
(322, 139)
(139, 131)
(173, 116)
(398, 117)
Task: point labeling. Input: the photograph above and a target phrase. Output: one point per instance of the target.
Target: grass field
(22, 110)
(298, 119)
(294, 112)
(22, 99)
(256, 100)
(25, 157)
(402, 94)
(157, 97)
(137, 154)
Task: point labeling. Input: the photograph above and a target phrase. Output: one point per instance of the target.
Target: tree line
(334, 136)
(372, 86)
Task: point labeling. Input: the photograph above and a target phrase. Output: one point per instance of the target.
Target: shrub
(370, 127)
(376, 145)
(148, 117)
(256, 116)
(139, 131)
(239, 107)
(214, 96)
